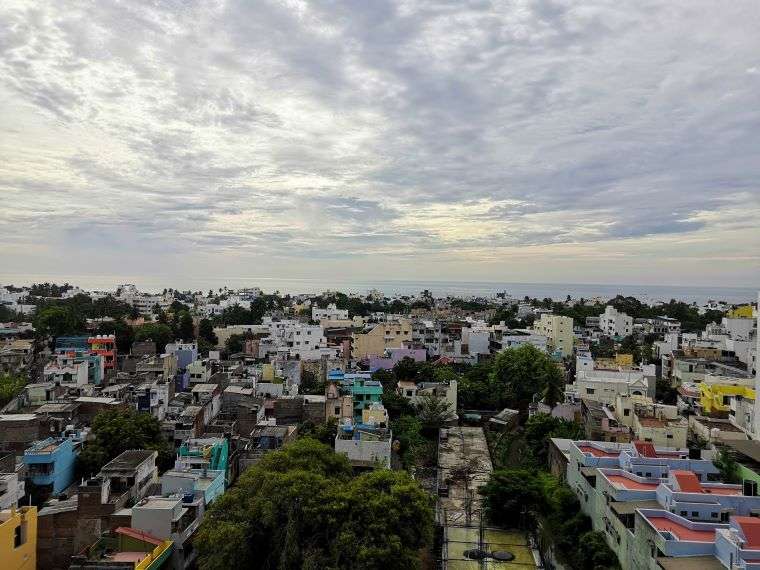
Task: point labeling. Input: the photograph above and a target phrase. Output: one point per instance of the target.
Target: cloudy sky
(587, 142)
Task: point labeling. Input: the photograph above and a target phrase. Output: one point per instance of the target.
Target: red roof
(751, 528)
(645, 448)
(631, 484)
(681, 532)
(687, 481)
(598, 452)
(138, 535)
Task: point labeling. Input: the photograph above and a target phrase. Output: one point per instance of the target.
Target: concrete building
(331, 313)
(50, 464)
(614, 323)
(18, 538)
(368, 443)
(559, 333)
(381, 337)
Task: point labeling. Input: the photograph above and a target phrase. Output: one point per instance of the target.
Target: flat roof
(130, 459)
(624, 482)
(629, 507)
(680, 532)
(598, 452)
(690, 563)
(750, 448)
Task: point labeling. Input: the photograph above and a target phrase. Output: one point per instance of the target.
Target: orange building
(104, 346)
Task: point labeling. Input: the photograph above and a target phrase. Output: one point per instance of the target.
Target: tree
(406, 369)
(185, 329)
(58, 321)
(159, 333)
(728, 467)
(300, 507)
(594, 553)
(206, 332)
(665, 392)
(116, 431)
(235, 343)
(125, 335)
(513, 497)
(396, 404)
(10, 386)
(434, 412)
(519, 373)
(540, 428)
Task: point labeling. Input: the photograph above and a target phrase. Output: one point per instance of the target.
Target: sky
(517, 141)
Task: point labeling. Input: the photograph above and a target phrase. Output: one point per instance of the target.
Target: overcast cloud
(541, 140)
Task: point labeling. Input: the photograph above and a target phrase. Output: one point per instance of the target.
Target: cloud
(435, 132)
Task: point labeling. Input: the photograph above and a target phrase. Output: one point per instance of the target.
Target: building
(381, 337)
(174, 518)
(368, 443)
(614, 323)
(364, 393)
(559, 333)
(125, 548)
(50, 464)
(393, 356)
(18, 539)
(133, 472)
(105, 347)
(331, 313)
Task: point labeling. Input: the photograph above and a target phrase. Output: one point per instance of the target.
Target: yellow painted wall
(25, 556)
(743, 312)
(711, 396)
(267, 373)
(384, 335)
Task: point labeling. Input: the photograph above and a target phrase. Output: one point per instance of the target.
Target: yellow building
(384, 335)
(741, 312)
(559, 332)
(18, 539)
(715, 398)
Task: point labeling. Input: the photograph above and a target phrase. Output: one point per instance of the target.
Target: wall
(25, 556)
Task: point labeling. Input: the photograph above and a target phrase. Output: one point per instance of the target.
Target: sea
(558, 291)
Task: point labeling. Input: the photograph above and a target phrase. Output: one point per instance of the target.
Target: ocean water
(559, 291)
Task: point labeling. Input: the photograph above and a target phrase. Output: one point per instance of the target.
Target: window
(626, 412)
(19, 535)
(649, 474)
(669, 436)
(694, 514)
(714, 515)
(684, 513)
(589, 390)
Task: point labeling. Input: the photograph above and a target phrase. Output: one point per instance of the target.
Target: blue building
(50, 464)
(66, 343)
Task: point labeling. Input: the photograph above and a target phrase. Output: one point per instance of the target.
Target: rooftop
(680, 532)
(128, 460)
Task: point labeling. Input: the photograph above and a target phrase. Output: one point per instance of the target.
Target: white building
(331, 313)
(614, 323)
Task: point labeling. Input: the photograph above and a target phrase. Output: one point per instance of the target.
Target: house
(174, 518)
(614, 323)
(132, 471)
(50, 464)
(381, 337)
(368, 443)
(559, 332)
(18, 538)
(124, 548)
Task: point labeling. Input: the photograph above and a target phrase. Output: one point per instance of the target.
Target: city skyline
(517, 142)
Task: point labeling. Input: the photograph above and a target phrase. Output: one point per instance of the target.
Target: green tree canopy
(300, 508)
(159, 333)
(116, 431)
(519, 373)
(513, 497)
(125, 335)
(10, 386)
(58, 321)
(542, 427)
